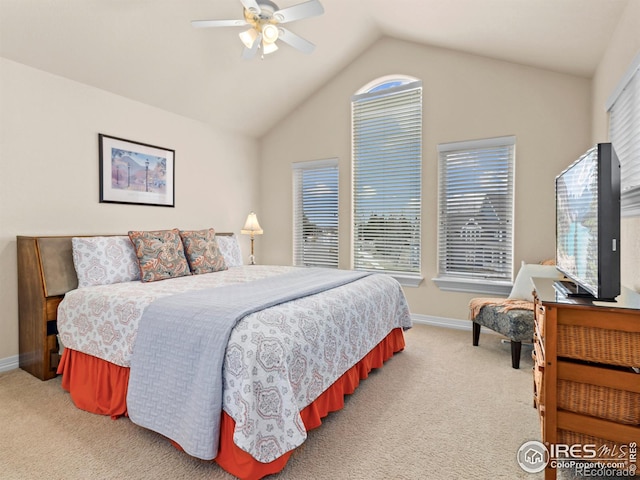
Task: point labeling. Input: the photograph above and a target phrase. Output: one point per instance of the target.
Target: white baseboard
(445, 322)
(454, 323)
(9, 363)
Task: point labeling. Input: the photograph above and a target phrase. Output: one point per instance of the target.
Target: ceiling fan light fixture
(263, 19)
(248, 37)
(268, 48)
(270, 33)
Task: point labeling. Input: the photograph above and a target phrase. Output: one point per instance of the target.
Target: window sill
(466, 285)
(407, 280)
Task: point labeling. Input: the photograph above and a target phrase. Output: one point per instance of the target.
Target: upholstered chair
(512, 316)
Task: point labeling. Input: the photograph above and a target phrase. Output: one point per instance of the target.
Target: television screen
(588, 223)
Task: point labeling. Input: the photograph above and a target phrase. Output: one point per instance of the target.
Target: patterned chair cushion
(513, 316)
(515, 324)
(104, 260)
(202, 251)
(160, 254)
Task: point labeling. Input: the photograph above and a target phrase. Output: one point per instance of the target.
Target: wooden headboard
(45, 273)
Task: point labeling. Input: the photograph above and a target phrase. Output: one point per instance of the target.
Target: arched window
(387, 177)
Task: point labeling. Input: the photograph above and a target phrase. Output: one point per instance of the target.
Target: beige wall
(49, 162)
(623, 47)
(465, 97)
(49, 170)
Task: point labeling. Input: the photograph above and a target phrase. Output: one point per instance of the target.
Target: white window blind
(315, 212)
(624, 133)
(475, 231)
(387, 179)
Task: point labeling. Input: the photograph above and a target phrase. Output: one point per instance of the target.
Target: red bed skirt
(100, 387)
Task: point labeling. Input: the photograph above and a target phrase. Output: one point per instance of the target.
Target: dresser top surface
(548, 294)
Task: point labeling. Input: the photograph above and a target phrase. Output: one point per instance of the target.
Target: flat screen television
(588, 225)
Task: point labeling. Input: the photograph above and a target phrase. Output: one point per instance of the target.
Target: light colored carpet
(440, 409)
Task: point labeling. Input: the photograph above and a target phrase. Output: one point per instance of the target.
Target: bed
(130, 349)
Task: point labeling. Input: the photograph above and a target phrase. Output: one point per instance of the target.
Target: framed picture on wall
(136, 173)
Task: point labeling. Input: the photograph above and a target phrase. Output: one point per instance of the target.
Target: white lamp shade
(268, 48)
(248, 37)
(270, 33)
(251, 226)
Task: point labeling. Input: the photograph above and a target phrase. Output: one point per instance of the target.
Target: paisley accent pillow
(160, 254)
(104, 260)
(202, 252)
(230, 249)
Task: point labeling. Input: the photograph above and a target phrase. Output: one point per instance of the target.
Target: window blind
(475, 231)
(387, 179)
(624, 133)
(315, 211)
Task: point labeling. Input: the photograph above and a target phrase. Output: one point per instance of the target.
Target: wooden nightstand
(45, 274)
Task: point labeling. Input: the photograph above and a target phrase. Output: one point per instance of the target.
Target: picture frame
(136, 173)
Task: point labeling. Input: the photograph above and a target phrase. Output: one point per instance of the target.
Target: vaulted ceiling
(147, 50)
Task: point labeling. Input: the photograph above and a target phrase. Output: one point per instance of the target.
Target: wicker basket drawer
(608, 451)
(598, 401)
(538, 349)
(575, 438)
(540, 319)
(595, 345)
(538, 372)
(538, 397)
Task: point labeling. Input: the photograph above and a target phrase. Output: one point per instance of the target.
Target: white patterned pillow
(230, 248)
(104, 260)
(522, 286)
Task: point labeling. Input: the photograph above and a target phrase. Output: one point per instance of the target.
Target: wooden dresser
(585, 388)
(45, 274)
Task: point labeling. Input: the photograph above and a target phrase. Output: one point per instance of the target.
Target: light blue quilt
(175, 383)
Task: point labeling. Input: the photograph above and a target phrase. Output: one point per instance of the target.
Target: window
(387, 177)
(624, 133)
(475, 227)
(315, 213)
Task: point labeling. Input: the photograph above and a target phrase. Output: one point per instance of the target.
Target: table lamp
(252, 227)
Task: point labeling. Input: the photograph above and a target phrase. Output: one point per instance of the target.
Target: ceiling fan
(265, 19)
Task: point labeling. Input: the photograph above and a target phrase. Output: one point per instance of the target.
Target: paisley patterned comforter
(278, 360)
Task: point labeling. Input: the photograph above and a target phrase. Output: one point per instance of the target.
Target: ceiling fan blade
(248, 53)
(296, 41)
(251, 5)
(218, 23)
(308, 9)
